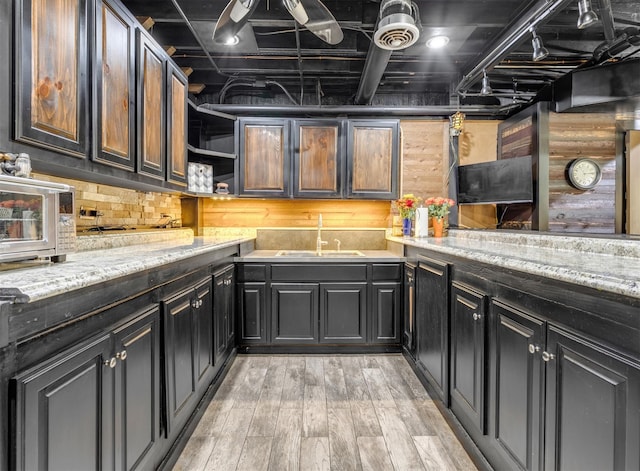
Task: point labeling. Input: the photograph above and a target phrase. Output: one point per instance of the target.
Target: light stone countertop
(82, 269)
(370, 256)
(611, 265)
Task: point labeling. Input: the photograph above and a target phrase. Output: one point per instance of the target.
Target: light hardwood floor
(324, 412)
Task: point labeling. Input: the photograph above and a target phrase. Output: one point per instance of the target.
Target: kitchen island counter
(604, 264)
(369, 256)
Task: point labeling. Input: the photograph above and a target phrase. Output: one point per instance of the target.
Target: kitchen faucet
(319, 241)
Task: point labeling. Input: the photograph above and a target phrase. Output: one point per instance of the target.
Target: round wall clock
(584, 174)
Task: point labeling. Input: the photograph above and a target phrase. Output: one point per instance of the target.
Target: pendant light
(486, 85)
(539, 51)
(586, 15)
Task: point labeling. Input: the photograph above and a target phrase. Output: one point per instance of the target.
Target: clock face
(584, 174)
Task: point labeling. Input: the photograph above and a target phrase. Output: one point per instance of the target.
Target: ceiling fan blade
(317, 18)
(233, 18)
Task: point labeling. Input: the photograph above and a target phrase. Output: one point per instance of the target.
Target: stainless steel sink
(325, 253)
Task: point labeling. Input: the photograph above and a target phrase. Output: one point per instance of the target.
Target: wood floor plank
(415, 417)
(228, 447)
(343, 446)
(314, 454)
(335, 387)
(314, 418)
(255, 454)
(212, 421)
(293, 384)
(397, 385)
(378, 389)
(453, 447)
(404, 454)
(195, 454)
(357, 389)
(268, 405)
(410, 378)
(285, 449)
(433, 454)
(373, 454)
(314, 371)
(365, 420)
(248, 391)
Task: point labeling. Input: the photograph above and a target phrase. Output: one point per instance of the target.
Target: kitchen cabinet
(114, 86)
(386, 302)
(294, 313)
(52, 102)
(409, 310)
(264, 163)
(189, 352)
(468, 355)
(519, 339)
(150, 77)
(592, 404)
(318, 158)
(372, 167)
(224, 313)
(176, 129)
(95, 405)
(252, 303)
(432, 323)
(343, 313)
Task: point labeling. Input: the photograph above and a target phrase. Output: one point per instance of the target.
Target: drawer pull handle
(476, 316)
(122, 355)
(546, 356)
(533, 348)
(111, 362)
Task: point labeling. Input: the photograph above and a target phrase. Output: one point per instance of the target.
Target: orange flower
(439, 206)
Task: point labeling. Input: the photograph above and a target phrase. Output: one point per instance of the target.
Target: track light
(486, 86)
(539, 51)
(586, 15)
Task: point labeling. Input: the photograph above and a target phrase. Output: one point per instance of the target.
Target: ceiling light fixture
(539, 51)
(437, 42)
(297, 11)
(586, 15)
(232, 41)
(486, 85)
(457, 123)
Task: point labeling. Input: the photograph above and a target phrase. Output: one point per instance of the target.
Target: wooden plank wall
(633, 178)
(571, 136)
(244, 212)
(425, 157)
(478, 143)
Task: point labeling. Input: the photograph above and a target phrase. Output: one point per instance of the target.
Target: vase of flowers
(407, 208)
(438, 210)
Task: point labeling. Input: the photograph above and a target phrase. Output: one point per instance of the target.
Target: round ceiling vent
(397, 28)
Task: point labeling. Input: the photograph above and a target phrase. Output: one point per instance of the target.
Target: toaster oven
(36, 219)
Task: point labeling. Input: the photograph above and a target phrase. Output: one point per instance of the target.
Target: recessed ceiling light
(232, 41)
(436, 42)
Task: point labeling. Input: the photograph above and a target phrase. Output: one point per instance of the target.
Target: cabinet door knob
(546, 356)
(476, 316)
(122, 355)
(111, 362)
(533, 348)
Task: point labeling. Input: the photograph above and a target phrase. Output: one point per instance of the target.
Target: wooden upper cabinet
(372, 168)
(151, 107)
(318, 158)
(51, 75)
(114, 86)
(177, 86)
(264, 163)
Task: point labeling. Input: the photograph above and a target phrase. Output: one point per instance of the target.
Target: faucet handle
(337, 241)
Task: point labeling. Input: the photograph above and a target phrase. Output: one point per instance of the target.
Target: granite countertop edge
(84, 269)
(610, 273)
(370, 256)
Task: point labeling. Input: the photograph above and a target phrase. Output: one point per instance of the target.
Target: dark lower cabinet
(386, 312)
(95, 406)
(294, 313)
(224, 312)
(432, 324)
(189, 353)
(343, 312)
(468, 356)
(409, 310)
(252, 309)
(592, 406)
(519, 381)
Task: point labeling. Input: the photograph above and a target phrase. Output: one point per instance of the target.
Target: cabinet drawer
(252, 272)
(386, 271)
(312, 272)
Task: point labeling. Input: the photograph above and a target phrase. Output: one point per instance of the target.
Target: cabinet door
(223, 313)
(252, 308)
(114, 86)
(593, 399)
(137, 391)
(386, 312)
(372, 168)
(432, 324)
(64, 410)
(518, 388)
(318, 158)
(343, 313)
(177, 88)
(180, 364)
(203, 333)
(151, 107)
(264, 163)
(294, 313)
(409, 310)
(468, 370)
(52, 74)
(230, 295)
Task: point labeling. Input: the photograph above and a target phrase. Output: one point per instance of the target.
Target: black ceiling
(277, 63)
